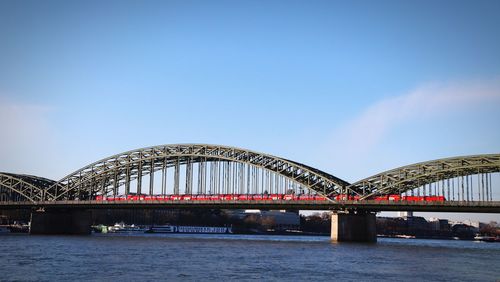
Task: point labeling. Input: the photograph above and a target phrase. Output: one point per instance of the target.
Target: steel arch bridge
(227, 169)
(200, 169)
(22, 187)
(458, 177)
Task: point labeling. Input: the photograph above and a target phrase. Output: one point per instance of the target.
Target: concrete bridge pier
(61, 221)
(353, 227)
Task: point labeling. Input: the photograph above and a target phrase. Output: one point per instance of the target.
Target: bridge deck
(448, 206)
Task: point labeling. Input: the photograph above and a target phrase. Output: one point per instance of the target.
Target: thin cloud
(433, 100)
(27, 143)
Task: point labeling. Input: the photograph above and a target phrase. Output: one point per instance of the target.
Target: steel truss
(447, 177)
(110, 173)
(32, 188)
(214, 169)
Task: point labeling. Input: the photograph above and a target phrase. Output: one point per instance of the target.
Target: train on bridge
(263, 197)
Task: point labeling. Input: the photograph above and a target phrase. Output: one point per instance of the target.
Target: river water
(203, 257)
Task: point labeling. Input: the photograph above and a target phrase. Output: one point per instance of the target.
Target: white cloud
(364, 132)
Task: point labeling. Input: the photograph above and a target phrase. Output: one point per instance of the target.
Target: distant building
(434, 224)
(4, 220)
(417, 223)
(472, 225)
(464, 231)
(437, 224)
(469, 222)
(444, 225)
(280, 219)
(283, 219)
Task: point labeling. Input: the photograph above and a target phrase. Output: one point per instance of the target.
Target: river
(214, 257)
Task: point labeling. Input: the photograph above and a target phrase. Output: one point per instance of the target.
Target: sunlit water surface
(202, 257)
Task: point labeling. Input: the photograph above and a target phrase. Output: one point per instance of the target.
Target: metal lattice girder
(33, 188)
(122, 168)
(409, 177)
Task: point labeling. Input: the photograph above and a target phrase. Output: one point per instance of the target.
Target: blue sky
(351, 87)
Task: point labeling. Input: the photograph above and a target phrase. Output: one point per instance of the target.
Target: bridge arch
(440, 172)
(31, 188)
(109, 174)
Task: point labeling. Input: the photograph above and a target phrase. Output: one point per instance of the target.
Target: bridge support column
(52, 222)
(353, 227)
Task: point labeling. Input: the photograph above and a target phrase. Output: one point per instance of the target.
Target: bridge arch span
(109, 174)
(29, 187)
(440, 172)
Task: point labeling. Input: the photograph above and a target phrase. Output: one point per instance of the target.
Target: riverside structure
(463, 184)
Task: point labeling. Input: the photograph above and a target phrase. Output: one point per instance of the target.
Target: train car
(136, 197)
(394, 198)
(215, 198)
(244, 197)
(201, 197)
(159, 197)
(381, 198)
(120, 198)
(290, 197)
(263, 197)
(305, 197)
(186, 197)
(346, 197)
(257, 197)
(276, 197)
(106, 198)
(434, 198)
(166, 198)
(413, 198)
(319, 198)
(409, 198)
(343, 197)
(228, 197)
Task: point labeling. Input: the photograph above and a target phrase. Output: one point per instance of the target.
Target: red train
(219, 197)
(379, 198)
(264, 197)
